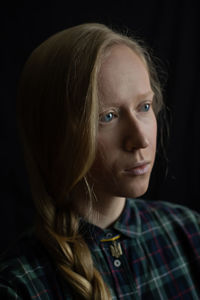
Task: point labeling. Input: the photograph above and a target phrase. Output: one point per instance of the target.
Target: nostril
(136, 142)
(129, 146)
(145, 142)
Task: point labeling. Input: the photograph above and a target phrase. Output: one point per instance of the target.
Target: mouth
(138, 169)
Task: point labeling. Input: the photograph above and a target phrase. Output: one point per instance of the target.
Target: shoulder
(27, 255)
(165, 216)
(26, 271)
(165, 209)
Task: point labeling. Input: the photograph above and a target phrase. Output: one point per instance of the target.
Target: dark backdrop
(170, 28)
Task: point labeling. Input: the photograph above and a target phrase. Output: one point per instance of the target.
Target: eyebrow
(140, 96)
(147, 94)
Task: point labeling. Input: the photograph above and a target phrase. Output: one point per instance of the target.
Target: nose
(135, 135)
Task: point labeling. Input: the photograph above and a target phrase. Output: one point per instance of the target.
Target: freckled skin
(127, 133)
(129, 137)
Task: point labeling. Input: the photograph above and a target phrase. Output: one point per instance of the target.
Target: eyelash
(145, 104)
(103, 116)
(114, 115)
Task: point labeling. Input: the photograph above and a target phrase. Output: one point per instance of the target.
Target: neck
(106, 209)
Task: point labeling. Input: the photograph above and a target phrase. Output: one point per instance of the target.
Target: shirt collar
(128, 224)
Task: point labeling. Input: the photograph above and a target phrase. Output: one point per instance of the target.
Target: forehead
(123, 75)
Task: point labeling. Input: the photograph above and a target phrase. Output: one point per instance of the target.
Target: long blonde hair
(57, 110)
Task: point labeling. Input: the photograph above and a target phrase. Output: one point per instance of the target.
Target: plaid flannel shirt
(151, 252)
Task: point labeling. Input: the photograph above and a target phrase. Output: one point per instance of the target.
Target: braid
(58, 113)
(71, 255)
(58, 230)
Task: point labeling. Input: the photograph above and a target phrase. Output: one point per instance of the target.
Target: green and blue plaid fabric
(151, 252)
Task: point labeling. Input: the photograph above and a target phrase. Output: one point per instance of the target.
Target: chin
(135, 189)
(136, 193)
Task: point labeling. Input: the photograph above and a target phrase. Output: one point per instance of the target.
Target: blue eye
(107, 118)
(145, 107)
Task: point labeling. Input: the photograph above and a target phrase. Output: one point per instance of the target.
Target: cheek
(103, 162)
(153, 134)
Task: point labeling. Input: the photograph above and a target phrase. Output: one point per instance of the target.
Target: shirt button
(117, 263)
(109, 235)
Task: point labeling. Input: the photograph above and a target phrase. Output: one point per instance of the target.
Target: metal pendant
(116, 249)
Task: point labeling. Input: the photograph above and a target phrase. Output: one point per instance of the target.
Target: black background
(170, 28)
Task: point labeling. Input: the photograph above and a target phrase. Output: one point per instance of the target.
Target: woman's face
(126, 141)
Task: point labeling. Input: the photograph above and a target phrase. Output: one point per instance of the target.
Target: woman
(87, 107)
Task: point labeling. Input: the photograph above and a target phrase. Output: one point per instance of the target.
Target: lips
(138, 169)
